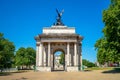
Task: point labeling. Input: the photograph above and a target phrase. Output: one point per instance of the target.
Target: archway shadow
(58, 70)
(115, 70)
(87, 70)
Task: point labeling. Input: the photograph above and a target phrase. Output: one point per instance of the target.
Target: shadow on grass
(5, 73)
(114, 70)
(21, 71)
(10, 73)
(23, 78)
(65, 71)
(87, 70)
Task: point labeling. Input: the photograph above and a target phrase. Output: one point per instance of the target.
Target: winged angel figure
(59, 22)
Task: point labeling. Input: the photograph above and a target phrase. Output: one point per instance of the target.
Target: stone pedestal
(72, 69)
(43, 69)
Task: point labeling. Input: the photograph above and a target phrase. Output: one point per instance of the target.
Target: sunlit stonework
(58, 38)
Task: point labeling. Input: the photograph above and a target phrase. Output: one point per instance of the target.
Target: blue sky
(21, 20)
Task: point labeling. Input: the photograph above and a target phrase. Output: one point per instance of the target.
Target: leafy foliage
(30, 56)
(25, 56)
(7, 49)
(62, 58)
(20, 56)
(108, 47)
(88, 63)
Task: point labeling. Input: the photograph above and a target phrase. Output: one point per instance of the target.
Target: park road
(60, 75)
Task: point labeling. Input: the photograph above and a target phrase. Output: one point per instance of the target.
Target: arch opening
(59, 60)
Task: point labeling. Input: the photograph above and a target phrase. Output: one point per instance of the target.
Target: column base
(43, 69)
(72, 69)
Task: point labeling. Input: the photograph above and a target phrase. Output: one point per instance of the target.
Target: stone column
(65, 62)
(40, 54)
(75, 55)
(68, 54)
(49, 54)
(70, 59)
(81, 61)
(37, 54)
(44, 56)
(51, 61)
(77, 52)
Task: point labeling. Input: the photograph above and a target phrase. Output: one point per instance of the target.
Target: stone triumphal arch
(58, 38)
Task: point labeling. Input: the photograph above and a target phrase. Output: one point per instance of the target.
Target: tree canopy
(108, 47)
(88, 63)
(25, 56)
(62, 58)
(7, 49)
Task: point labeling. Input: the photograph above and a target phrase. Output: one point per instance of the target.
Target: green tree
(7, 49)
(108, 47)
(20, 57)
(101, 46)
(88, 63)
(30, 56)
(25, 57)
(62, 58)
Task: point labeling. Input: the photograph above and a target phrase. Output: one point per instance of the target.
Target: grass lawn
(104, 68)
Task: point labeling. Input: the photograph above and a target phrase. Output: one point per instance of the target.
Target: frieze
(58, 38)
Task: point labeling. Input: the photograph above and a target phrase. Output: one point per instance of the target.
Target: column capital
(68, 43)
(49, 42)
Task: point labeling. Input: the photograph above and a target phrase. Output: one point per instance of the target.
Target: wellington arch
(62, 38)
